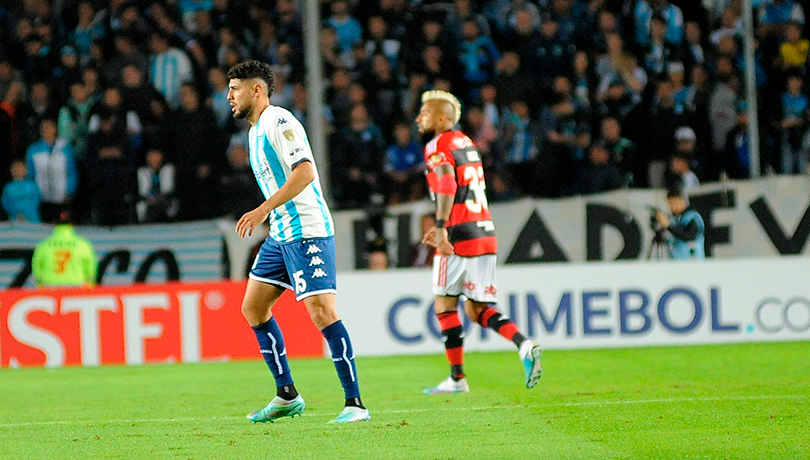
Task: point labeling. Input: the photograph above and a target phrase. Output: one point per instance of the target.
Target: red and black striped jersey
(470, 228)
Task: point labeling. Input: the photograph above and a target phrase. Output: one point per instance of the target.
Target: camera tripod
(658, 246)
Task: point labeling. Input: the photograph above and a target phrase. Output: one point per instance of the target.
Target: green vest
(64, 259)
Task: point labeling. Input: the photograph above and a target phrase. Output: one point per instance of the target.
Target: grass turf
(729, 401)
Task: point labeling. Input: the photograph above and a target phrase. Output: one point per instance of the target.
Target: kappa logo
(316, 261)
(312, 249)
(318, 273)
(282, 121)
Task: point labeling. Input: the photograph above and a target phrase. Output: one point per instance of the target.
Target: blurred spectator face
(131, 76)
(611, 130)
(657, 29)
(725, 68)
(727, 46)
(377, 27)
(299, 94)
(614, 44)
(328, 38)
(742, 118)
(32, 46)
(676, 204)
(432, 57)
(24, 29)
(238, 156)
(227, 38)
(339, 8)
(607, 22)
(563, 7)
(359, 115)
(402, 133)
(5, 70)
(679, 165)
(488, 93)
(232, 57)
(377, 260)
(124, 45)
(523, 22)
(665, 91)
(85, 12)
(462, 7)
(793, 32)
(381, 66)
(78, 92)
(475, 117)
(90, 78)
(794, 84)
(692, 33)
(432, 30)
(549, 28)
(189, 98)
(129, 16)
(154, 159)
(616, 90)
(357, 94)
(40, 92)
(47, 129)
(599, 155)
(520, 109)
(470, 31)
(700, 76)
(676, 76)
(217, 78)
(509, 63)
(562, 85)
(340, 79)
(729, 18)
(158, 44)
(581, 62)
(112, 98)
(19, 170)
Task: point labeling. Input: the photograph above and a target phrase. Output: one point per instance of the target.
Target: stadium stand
(559, 94)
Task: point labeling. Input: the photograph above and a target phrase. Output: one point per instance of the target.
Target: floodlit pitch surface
(747, 401)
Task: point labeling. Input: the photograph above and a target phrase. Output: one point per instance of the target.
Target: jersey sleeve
(440, 154)
(289, 137)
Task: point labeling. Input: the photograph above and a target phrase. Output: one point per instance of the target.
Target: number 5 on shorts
(300, 282)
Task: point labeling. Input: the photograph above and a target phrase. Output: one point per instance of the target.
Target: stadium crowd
(118, 109)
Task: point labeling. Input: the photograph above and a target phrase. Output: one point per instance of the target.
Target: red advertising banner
(174, 322)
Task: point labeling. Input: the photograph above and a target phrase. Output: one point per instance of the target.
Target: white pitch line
(415, 411)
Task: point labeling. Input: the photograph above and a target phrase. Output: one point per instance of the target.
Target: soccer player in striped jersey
(299, 252)
(464, 238)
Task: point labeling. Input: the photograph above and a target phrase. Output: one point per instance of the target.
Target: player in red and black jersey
(464, 238)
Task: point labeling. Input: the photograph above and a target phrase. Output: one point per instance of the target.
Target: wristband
(441, 223)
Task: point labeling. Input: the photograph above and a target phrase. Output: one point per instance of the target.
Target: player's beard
(240, 113)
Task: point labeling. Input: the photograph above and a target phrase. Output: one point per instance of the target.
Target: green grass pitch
(748, 401)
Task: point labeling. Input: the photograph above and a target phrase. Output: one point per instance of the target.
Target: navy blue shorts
(306, 267)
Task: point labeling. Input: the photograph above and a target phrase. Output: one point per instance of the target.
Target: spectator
(671, 15)
(66, 72)
(197, 150)
(522, 139)
(169, 69)
(237, 185)
(111, 173)
(737, 160)
(511, 81)
(347, 27)
(87, 31)
(794, 126)
(379, 41)
(21, 196)
(478, 55)
(623, 151)
(680, 174)
(64, 259)
(74, 118)
(403, 166)
(52, 165)
(599, 174)
(658, 143)
(775, 15)
(156, 201)
(793, 51)
(124, 120)
(357, 166)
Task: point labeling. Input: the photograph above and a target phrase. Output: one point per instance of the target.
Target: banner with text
(622, 304)
(139, 324)
(763, 218)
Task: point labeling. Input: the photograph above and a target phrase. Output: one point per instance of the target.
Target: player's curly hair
(254, 69)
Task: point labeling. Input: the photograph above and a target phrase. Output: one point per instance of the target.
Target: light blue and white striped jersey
(277, 143)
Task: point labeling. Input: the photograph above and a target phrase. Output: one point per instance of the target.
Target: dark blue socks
(271, 345)
(343, 357)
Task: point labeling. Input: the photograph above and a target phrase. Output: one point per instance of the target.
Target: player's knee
(474, 310)
(321, 311)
